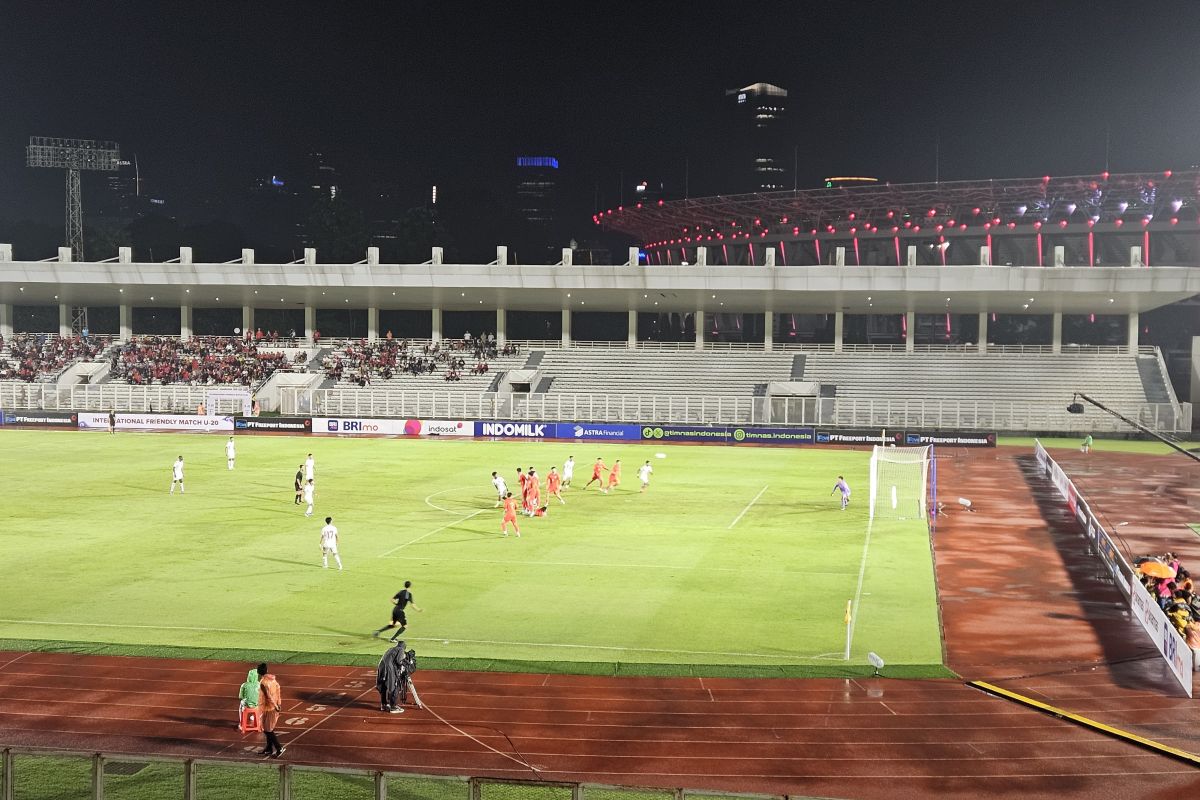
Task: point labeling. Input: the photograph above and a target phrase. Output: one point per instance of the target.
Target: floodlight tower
(73, 155)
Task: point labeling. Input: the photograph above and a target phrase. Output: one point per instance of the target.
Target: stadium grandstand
(964, 306)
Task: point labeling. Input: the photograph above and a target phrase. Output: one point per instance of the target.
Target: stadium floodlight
(73, 155)
(899, 482)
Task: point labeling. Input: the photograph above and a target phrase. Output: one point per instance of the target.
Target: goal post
(900, 482)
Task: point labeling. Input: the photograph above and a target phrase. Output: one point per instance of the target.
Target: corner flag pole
(847, 620)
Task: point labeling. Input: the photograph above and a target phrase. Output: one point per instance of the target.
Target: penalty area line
(738, 518)
(432, 532)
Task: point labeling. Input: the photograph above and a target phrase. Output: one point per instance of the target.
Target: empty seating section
(693, 373)
(1029, 379)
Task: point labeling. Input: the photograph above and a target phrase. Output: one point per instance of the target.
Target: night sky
(450, 92)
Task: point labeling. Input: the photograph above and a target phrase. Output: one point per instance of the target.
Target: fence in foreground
(36, 774)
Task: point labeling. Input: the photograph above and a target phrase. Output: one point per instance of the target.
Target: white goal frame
(900, 482)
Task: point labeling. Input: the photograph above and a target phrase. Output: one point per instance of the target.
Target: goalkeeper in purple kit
(844, 488)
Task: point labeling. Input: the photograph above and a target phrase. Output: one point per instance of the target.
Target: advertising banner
(789, 436)
(685, 433)
(40, 419)
(516, 430)
(598, 430)
(176, 423)
(1175, 652)
(949, 439)
(855, 437)
(356, 426)
(273, 425)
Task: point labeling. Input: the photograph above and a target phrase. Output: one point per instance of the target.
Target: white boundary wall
(1177, 656)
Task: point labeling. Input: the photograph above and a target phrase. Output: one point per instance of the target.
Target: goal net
(899, 482)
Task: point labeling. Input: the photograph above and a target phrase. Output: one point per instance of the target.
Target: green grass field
(736, 562)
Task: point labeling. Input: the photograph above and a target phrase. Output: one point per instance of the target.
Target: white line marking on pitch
(787, 657)
(862, 568)
(432, 532)
(524, 563)
(428, 499)
(747, 508)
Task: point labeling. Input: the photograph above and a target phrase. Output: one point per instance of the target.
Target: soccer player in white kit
(644, 474)
(501, 488)
(309, 466)
(329, 537)
(308, 497)
(568, 471)
(177, 475)
(230, 452)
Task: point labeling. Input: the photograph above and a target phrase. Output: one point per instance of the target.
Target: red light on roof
(916, 228)
(757, 221)
(1167, 174)
(1174, 220)
(1104, 175)
(639, 205)
(908, 223)
(975, 211)
(987, 226)
(660, 202)
(720, 236)
(891, 214)
(1037, 226)
(895, 229)
(1091, 223)
(1062, 223)
(931, 212)
(813, 231)
(620, 208)
(1145, 221)
(995, 220)
(962, 227)
(950, 223)
(783, 220)
(938, 229)
(1045, 179)
(761, 235)
(1150, 184)
(1012, 225)
(1119, 222)
(796, 231)
(851, 215)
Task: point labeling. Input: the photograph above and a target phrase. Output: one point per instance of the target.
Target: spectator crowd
(31, 355)
(201, 361)
(1172, 586)
(361, 361)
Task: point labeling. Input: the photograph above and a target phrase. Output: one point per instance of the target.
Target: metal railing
(840, 412)
(90, 774)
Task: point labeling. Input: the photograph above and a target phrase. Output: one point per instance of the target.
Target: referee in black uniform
(401, 599)
(299, 484)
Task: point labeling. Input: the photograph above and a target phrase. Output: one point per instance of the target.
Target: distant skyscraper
(760, 144)
(537, 190)
(123, 198)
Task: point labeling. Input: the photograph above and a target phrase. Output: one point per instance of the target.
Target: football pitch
(736, 561)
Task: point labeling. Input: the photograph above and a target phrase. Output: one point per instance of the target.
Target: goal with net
(900, 482)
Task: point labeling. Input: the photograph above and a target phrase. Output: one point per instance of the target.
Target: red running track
(1043, 631)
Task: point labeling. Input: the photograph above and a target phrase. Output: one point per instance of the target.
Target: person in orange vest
(270, 702)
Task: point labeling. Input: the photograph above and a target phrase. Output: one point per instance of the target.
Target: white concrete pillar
(436, 333)
(6, 320)
(185, 322)
(1134, 330)
(1135, 257)
(372, 323)
(1195, 393)
(839, 256)
(64, 319)
(126, 313)
(769, 257)
(185, 255)
(839, 330)
(633, 257)
(1060, 256)
(437, 256)
(501, 326)
(910, 259)
(701, 256)
(125, 255)
(985, 256)
(6, 252)
(566, 327)
(310, 322)
(699, 329)
(247, 319)
(372, 256)
(631, 340)
(64, 255)
(1056, 333)
(247, 255)
(910, 334)
(768, 331)
(568, 257)
(983, 331)
(502, 255)
(310, 255)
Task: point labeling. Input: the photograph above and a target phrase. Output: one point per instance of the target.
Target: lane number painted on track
(296, 721)
(354, 684)
(314, 709)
